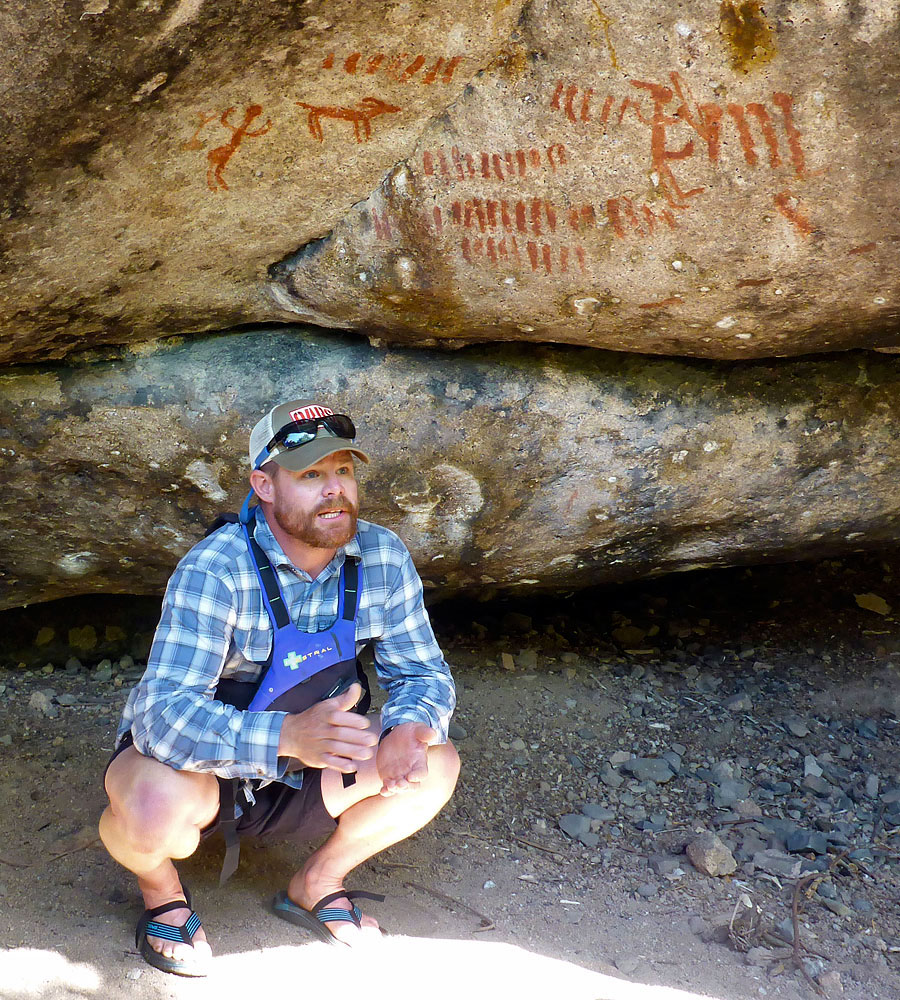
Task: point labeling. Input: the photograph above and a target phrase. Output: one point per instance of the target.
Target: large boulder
(552, 468)
(712, 180)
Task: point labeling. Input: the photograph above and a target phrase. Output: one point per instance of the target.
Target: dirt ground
(494, 898)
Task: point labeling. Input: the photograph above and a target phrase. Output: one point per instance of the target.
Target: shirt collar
(269, 544)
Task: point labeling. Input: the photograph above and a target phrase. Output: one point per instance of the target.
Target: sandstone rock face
(710, 180)
(553, 468)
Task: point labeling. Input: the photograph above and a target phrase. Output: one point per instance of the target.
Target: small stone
(817, 785)
(589, 839)
(47, 668)
(649, 769)
(867, 729)
(457, 732)
(490, 884)
(872, 785)
(648, 890)
(627, 963)
(740, 702)
(134, 974)
(104, 672)
(747, 809)
(830, 984)
(73, 665)
(696, 924)
(777, 863)
(611, 778)
(598, 812)
(730, 791)
(574, 825)
(41, 701)
(709, 855)
(796, 727)
(527, 659)
(838, 908)
(619, 757)
(807, 840)
(126, 662)
(759, 957)
(663, 864)
(66, 700)
(507, 662)
(518, 744)
(811, 767)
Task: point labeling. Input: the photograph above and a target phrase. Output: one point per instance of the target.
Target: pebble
(830, 983)
(730, 791)
(709, 855)
(598, 812)
(73, 665)
(867, 729)
(42, 701)
(811, 767)
(807, 840)
(517, 744)
(104, 672)
(796, 727)
(649, 769)
(575, 824)
(66, 700)
(648, 890)
(663, 864)
(777, 863)
(740, 702)
(611, 778)
(818, 785)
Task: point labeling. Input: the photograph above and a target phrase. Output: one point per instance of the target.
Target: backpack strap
(271, 592)
(220, 522)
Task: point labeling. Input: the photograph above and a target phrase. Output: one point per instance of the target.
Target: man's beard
(307, 528)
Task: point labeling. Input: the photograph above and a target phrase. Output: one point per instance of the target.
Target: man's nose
(332, 486)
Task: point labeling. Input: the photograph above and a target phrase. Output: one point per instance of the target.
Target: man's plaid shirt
(214, 625)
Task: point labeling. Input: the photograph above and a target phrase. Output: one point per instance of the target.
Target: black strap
(228, 790)
(270, 583)
(351, 587)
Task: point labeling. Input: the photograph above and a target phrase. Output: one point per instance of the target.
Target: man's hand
(402, 759)
(329, 734)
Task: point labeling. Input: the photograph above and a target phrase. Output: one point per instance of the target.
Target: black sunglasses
(301, 432)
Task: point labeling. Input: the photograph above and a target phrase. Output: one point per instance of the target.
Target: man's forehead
(329, 461)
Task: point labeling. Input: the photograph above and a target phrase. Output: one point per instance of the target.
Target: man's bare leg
(156, 814)
(367, 824)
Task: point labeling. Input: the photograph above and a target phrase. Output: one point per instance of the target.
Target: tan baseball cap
(297, 458)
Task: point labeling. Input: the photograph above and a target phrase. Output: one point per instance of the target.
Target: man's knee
(443, 767)
(155, 805)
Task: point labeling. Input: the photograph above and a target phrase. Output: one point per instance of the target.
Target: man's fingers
(347, 699)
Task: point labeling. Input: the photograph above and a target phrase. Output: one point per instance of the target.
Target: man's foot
(306, 891)
(178, 955)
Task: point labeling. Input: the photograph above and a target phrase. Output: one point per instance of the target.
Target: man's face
(319, 505)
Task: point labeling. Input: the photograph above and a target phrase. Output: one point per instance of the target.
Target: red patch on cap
(312, 412)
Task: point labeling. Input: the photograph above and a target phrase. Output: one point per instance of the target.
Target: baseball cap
(302, 411)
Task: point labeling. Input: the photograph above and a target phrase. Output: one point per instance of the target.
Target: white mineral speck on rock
(726, 323)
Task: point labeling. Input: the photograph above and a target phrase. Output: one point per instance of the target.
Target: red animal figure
(361, 116)
(219, 157)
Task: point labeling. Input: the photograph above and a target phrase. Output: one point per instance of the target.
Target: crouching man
(250, 717)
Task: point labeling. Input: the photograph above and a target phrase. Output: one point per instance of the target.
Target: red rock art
(489, 165)
(400, 67)
(542, 258)
(673, 300)
(219, 157)
(788, 205)
(673, 109)
(360, 116)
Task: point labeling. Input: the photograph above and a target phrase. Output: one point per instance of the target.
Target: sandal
(148, 926)
(314, 920)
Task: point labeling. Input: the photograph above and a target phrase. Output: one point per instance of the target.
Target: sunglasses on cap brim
(301, 432)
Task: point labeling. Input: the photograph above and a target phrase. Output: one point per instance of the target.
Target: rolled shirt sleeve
(410, 665)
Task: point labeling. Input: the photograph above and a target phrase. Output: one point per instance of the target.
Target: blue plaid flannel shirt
(214, 625)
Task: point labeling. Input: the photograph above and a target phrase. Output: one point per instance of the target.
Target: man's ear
(263, 485)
